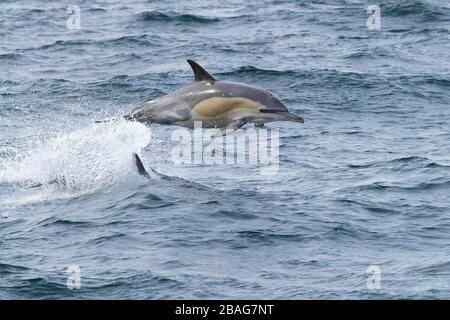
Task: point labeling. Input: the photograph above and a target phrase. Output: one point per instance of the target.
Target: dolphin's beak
(292, 117)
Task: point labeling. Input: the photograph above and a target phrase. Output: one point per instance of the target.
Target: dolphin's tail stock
(140, 166)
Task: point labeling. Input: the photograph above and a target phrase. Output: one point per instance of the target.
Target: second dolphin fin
(140, 166)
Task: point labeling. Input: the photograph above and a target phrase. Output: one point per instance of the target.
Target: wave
(445, 83)
(32, 286)
(368, 205)
(63, 43)
(433, 184)
(335, 77)
(324, 75)
(8, 83)
(127, 40)
(257, 71)
(416, 80)
(143, 40)
(10, 268)
(10, 56)
(427, 11)
(442, 268)
(409, 162)
(63, 222)
(388, 186)
(155, 16)
(376, 53)
(426, 31)
(96, 9)
(347, 230)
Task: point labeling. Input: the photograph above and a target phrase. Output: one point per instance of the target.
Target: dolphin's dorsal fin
(200, 73)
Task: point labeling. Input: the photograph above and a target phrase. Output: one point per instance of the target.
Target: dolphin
(217, 104)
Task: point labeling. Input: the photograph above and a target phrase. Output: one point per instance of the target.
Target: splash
(84, 161)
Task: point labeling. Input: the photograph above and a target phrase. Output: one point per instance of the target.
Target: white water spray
(70, 164)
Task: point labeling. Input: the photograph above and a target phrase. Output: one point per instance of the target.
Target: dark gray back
(236, 89)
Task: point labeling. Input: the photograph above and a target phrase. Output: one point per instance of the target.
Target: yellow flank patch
(218, 106)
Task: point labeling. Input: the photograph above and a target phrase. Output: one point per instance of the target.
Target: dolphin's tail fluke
(140, 166)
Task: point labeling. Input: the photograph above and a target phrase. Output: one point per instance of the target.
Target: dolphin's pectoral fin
(140, 166)
(199, 72)
(230, 128)
(259, 125)
(224, 132)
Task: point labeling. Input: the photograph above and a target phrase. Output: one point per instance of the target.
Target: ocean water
(363, 185)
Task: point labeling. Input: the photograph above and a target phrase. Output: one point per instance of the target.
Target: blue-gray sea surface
(365, 181)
